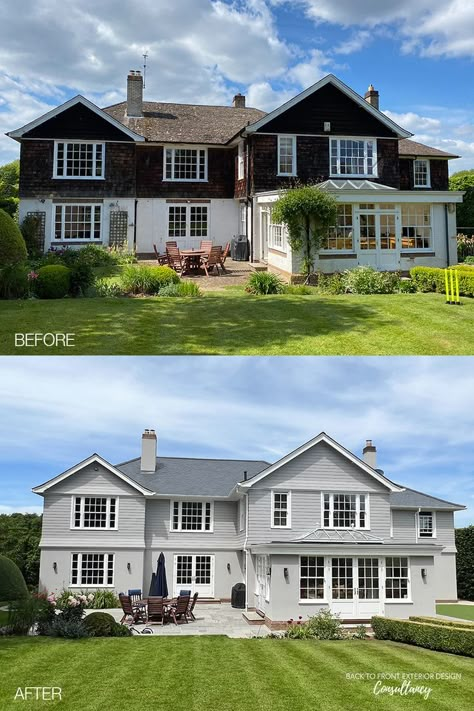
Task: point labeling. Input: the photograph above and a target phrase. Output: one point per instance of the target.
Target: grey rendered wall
(404, 528)
(445, 577)
(423, 591)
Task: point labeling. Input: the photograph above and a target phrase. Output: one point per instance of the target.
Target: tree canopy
(465, 562)
(19, 541)
(464, 180)
(9, 186)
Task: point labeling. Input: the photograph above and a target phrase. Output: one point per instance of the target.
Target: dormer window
(354, 157)
(346, 511)
(421, 173)
(426, 524)
(79, 160)
(287, 155)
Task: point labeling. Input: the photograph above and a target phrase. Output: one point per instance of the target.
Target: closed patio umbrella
(152, 584)
(160, 581)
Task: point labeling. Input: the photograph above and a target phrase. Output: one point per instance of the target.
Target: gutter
(246, 551)
(446, 222)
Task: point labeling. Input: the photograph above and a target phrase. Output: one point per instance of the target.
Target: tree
(19, 540)
(308, 214)
(9, 186)
(12, 244)
(465, 562)
(12, 583)
(464, 180)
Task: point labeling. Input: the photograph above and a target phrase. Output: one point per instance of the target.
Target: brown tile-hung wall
(438, 170)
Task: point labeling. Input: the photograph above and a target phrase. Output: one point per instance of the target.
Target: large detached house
(140, 173)
(319, 528)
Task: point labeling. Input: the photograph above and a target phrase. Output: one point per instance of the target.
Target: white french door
(379, 238)
(355, 587)
(195, 573)
(262, 582)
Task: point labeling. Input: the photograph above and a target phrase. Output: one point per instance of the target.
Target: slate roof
(409, 498)
(406, 147)
(193, 477)
(186, 123)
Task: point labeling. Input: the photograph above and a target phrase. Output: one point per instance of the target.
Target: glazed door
(379, 240)
(195, 573)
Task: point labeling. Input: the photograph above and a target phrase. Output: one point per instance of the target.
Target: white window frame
(288, 509)
(82, 585)
(188, 208)
(185, 147)
(83, 497)
(428, 173)
(344, 250)
(81, 240)
(280, 244)
(403, 226)
(94, 158)
(357, 494)
(383, 579)
(365, 174)
(241, 514)
(314, 600)
(433, 519)
(240, 161)
(293, 155)
(180, 516)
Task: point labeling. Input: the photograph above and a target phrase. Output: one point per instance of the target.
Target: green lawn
(231, 322)
(464, 612)
(200, 673)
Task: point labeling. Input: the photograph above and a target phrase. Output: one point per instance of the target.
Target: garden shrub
(360, 632)
(67, 628)
(324, 625)
(465, 562)
(105, 287)
(433, 279)
(29, 611)
(82, 277)
(12, 582)
(367, 280)
(297, 289)
(263, 283)
(469, 260)
(331, 283)
(446, 623)
(72, 605)
(147, 280)
(436, 637)
(407, 286)
(104, 599)
(101, 624)
(53, 282)
(184, 288)
(9, 205)
(14, 281)
(12, 244)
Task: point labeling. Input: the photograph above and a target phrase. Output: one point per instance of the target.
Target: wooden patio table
(192, 258)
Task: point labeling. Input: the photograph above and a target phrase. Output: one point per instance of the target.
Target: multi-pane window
(186, 164)
(345, 511)
(396, 578)
(281, 509)
(340, 237)
(426, 524)
(416, 226)
(277, 234)
(311, 578)
(188, 220)
(79, 160)
(192, 516)
(240, 161)
(421, 173)
(95, 512)
(353, 157)
(92, 569)
(77, 222)
(286, 155)
(368, 573)
(342, 579)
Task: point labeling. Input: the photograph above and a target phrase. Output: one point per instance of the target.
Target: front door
(195, 573)
(262, 591)
(379, 241)
(355, 587)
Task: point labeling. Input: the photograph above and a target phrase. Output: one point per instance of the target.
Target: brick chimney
(370, 454)
(372, 96)
(134, 94)
(148, 458)
(239, 101)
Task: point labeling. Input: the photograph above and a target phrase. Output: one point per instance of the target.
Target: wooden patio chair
(179, 610)
(213, 260)
(162, 259)
(225, 253)
(156, 610)
(192, 603)
(135, 614)
(206, 245)
(171, 243)
(175, 260)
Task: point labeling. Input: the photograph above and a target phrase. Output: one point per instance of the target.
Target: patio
(236, 273)
(211, 619)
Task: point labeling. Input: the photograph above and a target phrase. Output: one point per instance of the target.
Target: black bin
(239, 248)
(238, 596)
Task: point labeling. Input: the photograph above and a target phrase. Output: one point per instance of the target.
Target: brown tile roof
(412, 148)
(186, 123)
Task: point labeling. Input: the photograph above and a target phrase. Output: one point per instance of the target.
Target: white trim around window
(280, 508)
(76, 222)
(190, 161)
(286, 155)
(88, 567)
(191, 516)
(421, 173)
(397, 562)
(240, 161)
(423, 528)
(71, 158)
(83, 508)
(361, 508)
(353, 150)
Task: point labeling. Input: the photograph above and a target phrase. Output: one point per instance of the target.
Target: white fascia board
(392, 196)
(90, 460)
(330, 79)
(19, 132)
(322, 437)
(375, 549)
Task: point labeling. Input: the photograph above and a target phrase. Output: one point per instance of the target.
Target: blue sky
(418, 54)
(57, 411)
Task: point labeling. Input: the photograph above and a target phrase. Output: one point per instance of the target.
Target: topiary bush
(53, 282)
(147, 280)
(12, 582)
(437, 637)
(101, 624)
(12, 244)
(367, 280)
(263, 283)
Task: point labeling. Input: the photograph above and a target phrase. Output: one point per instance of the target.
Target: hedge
(439, 638)
(465, 562)
(446, 623)
(433, 279)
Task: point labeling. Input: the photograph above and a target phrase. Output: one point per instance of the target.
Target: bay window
(345, 511)
(192, 516)
(92, 569)
(79, 160)
(396, 579)
(185, 164)
(354, 157)
(74, 223)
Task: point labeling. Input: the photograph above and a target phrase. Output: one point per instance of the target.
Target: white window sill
(288, 528)
(78, 177)
(175, 530)
(90, 585)
(398, 602)
(93, 528)
(185, 180)
(351, 176)
(415, 187)
(319, 601)
(287, 175)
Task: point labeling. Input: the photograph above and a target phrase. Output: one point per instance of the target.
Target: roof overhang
(322, 437)
(388, 196)
(330, 79)
(342, 549)
(18, 133)
(93, 459)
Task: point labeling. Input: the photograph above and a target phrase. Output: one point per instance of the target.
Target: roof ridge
(177, 103)
(200, 459)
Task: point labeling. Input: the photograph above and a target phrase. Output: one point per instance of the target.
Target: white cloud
(358, 41)
(414, 122)
(21, 508)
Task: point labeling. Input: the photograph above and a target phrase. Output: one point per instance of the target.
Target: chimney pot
(134, 94)
(370, 454)
(149, 447)
(239, 101)
(372, 96)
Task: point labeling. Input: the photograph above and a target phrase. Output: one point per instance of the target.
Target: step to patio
(258, 266)
(253, 618)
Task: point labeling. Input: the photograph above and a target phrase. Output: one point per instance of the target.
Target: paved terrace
(237, 273)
